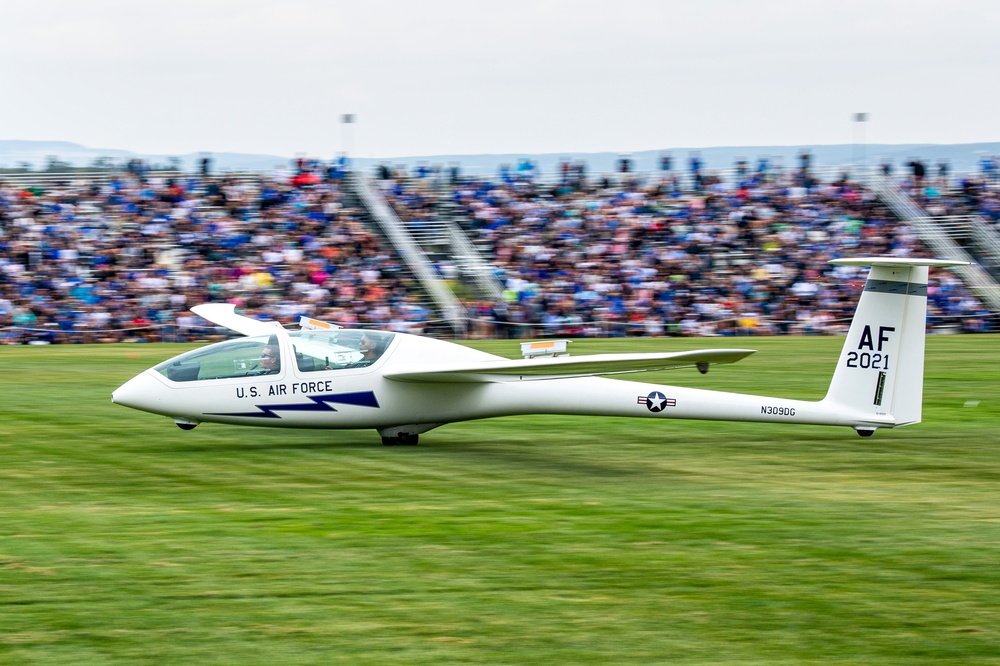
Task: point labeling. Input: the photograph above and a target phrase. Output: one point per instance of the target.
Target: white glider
(403, 385)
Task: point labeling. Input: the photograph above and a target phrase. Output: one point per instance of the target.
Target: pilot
(369, 352)
(368, 348)
(270, 364)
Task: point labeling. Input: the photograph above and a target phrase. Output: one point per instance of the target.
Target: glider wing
(563, 367)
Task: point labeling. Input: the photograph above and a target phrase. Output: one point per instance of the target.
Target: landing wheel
(404, 439)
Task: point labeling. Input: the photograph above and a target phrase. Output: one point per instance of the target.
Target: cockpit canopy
(315, 351)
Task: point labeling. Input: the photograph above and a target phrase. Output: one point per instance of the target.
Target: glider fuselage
(362, 397)
(324, 376)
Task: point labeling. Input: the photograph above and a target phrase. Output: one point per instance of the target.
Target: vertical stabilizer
(880, 373)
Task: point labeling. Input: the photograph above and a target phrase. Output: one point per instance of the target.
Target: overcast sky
(433, 77)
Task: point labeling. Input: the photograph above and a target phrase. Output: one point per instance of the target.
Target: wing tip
(224, 314)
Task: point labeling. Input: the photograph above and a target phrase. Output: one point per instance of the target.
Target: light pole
(346, 138)
(859, 129)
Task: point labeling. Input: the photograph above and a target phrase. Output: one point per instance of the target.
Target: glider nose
(138, 393)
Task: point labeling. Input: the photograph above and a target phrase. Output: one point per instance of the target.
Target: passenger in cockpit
(369, 352)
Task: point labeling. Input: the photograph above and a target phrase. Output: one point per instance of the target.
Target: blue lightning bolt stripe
(319, 403)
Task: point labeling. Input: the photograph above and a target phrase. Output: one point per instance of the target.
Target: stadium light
(859, 128)
(346, 138)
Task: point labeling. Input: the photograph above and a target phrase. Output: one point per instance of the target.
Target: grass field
(520, 540)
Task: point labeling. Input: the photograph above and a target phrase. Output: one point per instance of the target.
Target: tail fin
(880, 374)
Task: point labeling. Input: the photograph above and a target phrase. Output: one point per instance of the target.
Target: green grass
(520, 540)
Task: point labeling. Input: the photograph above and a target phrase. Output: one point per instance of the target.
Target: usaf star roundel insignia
(656, 401)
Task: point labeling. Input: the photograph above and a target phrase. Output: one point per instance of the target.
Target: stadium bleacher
(123, 256)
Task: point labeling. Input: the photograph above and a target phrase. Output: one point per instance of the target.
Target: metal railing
(443, 236)
(939, 234)
(471, 263)
(411, 253)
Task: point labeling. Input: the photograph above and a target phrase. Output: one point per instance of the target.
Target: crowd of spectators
(942, 193)
(125, 259)
(674, 253)
(669, 253)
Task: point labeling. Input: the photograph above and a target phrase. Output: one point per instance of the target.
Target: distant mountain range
(961, 157)
(39, 153)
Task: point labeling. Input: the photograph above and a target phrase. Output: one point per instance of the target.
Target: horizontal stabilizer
(224, 314)
(898, 262)
(563, 367)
